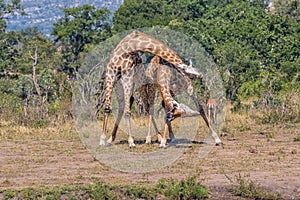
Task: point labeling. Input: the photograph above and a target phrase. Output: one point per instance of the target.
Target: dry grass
(12, 132)
(56, 156)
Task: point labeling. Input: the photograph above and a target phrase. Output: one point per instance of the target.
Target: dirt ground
(267, 155)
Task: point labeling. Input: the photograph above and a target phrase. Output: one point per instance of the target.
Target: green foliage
(98, 190)
(244, 40)
(167, 189)
(140, 192)
(8, 54)
(256, 52)
(288, 8)
(134, 14)
(248, 189)
(10, 104)
(81, 26)
(184, 189)
(20, 95)
(297, 139)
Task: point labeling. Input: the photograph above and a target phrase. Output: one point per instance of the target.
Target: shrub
(183, 189)
(248, 189)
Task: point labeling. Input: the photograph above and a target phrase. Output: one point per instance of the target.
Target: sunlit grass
(164, 189)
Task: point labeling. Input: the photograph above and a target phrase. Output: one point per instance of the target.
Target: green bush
(164, 189)
(140, 192)
(248, 189)
(183, 189)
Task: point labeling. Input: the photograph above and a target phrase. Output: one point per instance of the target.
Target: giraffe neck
(141, 42)
(138, 41)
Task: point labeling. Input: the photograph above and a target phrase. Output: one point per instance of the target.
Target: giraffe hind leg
(202, 113)
(120, 99)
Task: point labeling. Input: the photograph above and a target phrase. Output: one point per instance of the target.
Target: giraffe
(169, 84)
(160, 75)
(211, 106)
(146, 82)
(147, 92)
(122, 63)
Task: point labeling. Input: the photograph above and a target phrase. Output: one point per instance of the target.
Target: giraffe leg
(215, 115)
(151, 99)
(202, 113)
(127, 82)
(171, 134)
(103, 136)
(120, 99)
(148, 138)
(107, 107)
(209, 115)
(170, 115)
(158, 134)
(172, 108)
(163, 140)
(144, 92)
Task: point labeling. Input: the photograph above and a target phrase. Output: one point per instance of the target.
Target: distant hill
(43, 13)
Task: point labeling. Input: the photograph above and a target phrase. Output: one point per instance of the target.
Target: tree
(80, 27)
(245, 42)
(134, 14)
(289, 8)
(38, 80)
(8, 41)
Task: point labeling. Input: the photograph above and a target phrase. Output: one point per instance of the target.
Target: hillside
(44, 13)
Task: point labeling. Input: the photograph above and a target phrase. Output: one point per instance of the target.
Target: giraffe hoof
(162, 146)
(218, 142)
(148, 140)
(102, 143)
(102, 140)
(109, 141)
(159, 137)
(163, 143)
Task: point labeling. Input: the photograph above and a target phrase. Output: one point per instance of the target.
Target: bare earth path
(269, 156)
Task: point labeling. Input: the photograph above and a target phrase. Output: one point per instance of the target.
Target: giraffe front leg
(103, 136)
(216, 137)
(163, 140)
(107, 108)
(148, 138)
(146, 98)
(128, 90)
(130, 138)
(171, 134)
(168, 122)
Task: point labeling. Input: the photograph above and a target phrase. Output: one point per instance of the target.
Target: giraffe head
(191, 71)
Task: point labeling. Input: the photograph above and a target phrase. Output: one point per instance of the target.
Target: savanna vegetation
(255, 47)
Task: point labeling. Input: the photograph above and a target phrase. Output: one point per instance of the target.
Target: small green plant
(9, 194)
(140, 192)
(166, 189)
(183, 189)
(248, 189)
(297, 138)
